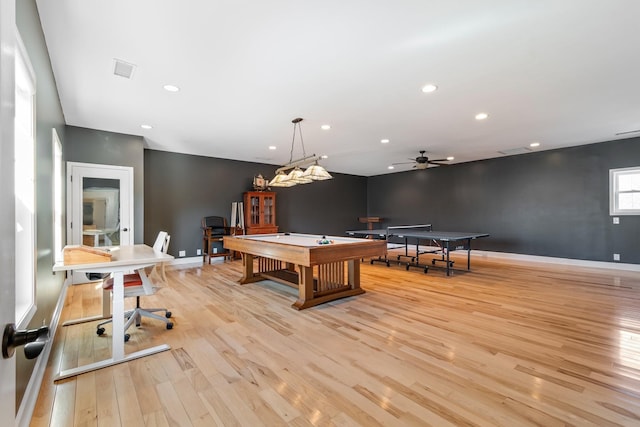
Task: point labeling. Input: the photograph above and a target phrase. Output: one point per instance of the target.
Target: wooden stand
(213, 230)
(85, 255)
(370, 220)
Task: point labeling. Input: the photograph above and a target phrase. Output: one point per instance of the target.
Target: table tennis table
(444, 242)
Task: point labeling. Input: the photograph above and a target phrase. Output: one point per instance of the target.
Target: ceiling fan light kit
(422, 162)
(296, 175)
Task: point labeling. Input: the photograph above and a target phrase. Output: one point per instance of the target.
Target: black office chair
(214, 228)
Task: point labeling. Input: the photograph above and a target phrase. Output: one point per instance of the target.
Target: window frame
(25, 263)
(614, 184)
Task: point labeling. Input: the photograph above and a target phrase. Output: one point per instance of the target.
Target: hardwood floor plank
(507, 344)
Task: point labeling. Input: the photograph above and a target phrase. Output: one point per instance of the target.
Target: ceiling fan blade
(402, 163)
(439, 160)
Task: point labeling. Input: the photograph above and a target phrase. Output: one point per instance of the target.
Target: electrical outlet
(182, 253)
(198, 251)
(616, 257)
(616, 220)
(215, 250)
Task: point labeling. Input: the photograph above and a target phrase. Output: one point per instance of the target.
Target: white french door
(99, 206)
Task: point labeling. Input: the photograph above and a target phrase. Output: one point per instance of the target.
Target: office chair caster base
(100, 331)
(169, 325)
(168, 315)
(126, 337)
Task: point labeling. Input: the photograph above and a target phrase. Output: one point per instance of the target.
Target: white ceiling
(560, 72)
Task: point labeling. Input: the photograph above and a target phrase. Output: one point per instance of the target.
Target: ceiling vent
(123, 69)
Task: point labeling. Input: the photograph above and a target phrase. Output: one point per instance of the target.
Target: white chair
(140, 284)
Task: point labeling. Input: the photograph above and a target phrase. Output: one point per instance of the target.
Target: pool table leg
(305, 288)
(247, 271)
(354, 274)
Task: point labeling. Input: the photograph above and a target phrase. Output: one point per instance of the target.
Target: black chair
(214, 228)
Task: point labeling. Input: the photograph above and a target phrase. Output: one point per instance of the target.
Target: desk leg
(117, 350)
(106, 312)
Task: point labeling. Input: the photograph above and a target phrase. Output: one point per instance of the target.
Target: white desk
(124, 259)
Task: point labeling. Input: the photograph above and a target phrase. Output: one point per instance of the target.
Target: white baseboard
(190, 260)
(553, 260)
(30, 398)
(193, 261)
(534, 258)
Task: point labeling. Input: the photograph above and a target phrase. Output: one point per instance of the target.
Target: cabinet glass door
(255, 210)
(268, 210)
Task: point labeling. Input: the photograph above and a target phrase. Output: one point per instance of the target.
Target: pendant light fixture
(296, 175)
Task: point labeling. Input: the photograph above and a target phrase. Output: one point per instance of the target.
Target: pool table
(313, 264)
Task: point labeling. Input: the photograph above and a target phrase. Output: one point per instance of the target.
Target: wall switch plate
(616, 220)
(616, 257)
(182, 253)
(198, 251)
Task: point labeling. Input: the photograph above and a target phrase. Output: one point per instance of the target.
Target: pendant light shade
(315, 172)
(281, 180)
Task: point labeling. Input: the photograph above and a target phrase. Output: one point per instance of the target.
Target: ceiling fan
(423, 162)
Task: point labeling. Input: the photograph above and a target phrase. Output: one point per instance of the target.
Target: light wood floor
(507, 344)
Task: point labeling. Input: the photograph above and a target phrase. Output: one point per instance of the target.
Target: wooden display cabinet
(260, 212)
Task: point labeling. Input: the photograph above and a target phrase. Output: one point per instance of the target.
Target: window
(25, 185)
(624, 191)
(58, 226)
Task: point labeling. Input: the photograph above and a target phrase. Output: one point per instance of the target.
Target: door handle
(125, 229)
(33, 340)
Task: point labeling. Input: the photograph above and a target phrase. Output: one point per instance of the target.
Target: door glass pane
(100, 212)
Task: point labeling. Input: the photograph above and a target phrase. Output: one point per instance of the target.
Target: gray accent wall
(550, 203)
(48, 116)
(180, 189)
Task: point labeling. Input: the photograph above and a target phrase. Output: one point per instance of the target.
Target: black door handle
(33, 340)
(125, 229)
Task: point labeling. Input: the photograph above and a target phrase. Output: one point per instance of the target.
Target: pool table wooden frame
(317, 271)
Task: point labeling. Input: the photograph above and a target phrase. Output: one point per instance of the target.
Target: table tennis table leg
(447, 249)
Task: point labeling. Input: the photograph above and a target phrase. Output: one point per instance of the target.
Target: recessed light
(429, 88)
(146, 126)
(384, 141)
(481, 116)
(325, 127)
(272, 147)
(450, 158)
(390, 167)
(534, 144)
(171, 88)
